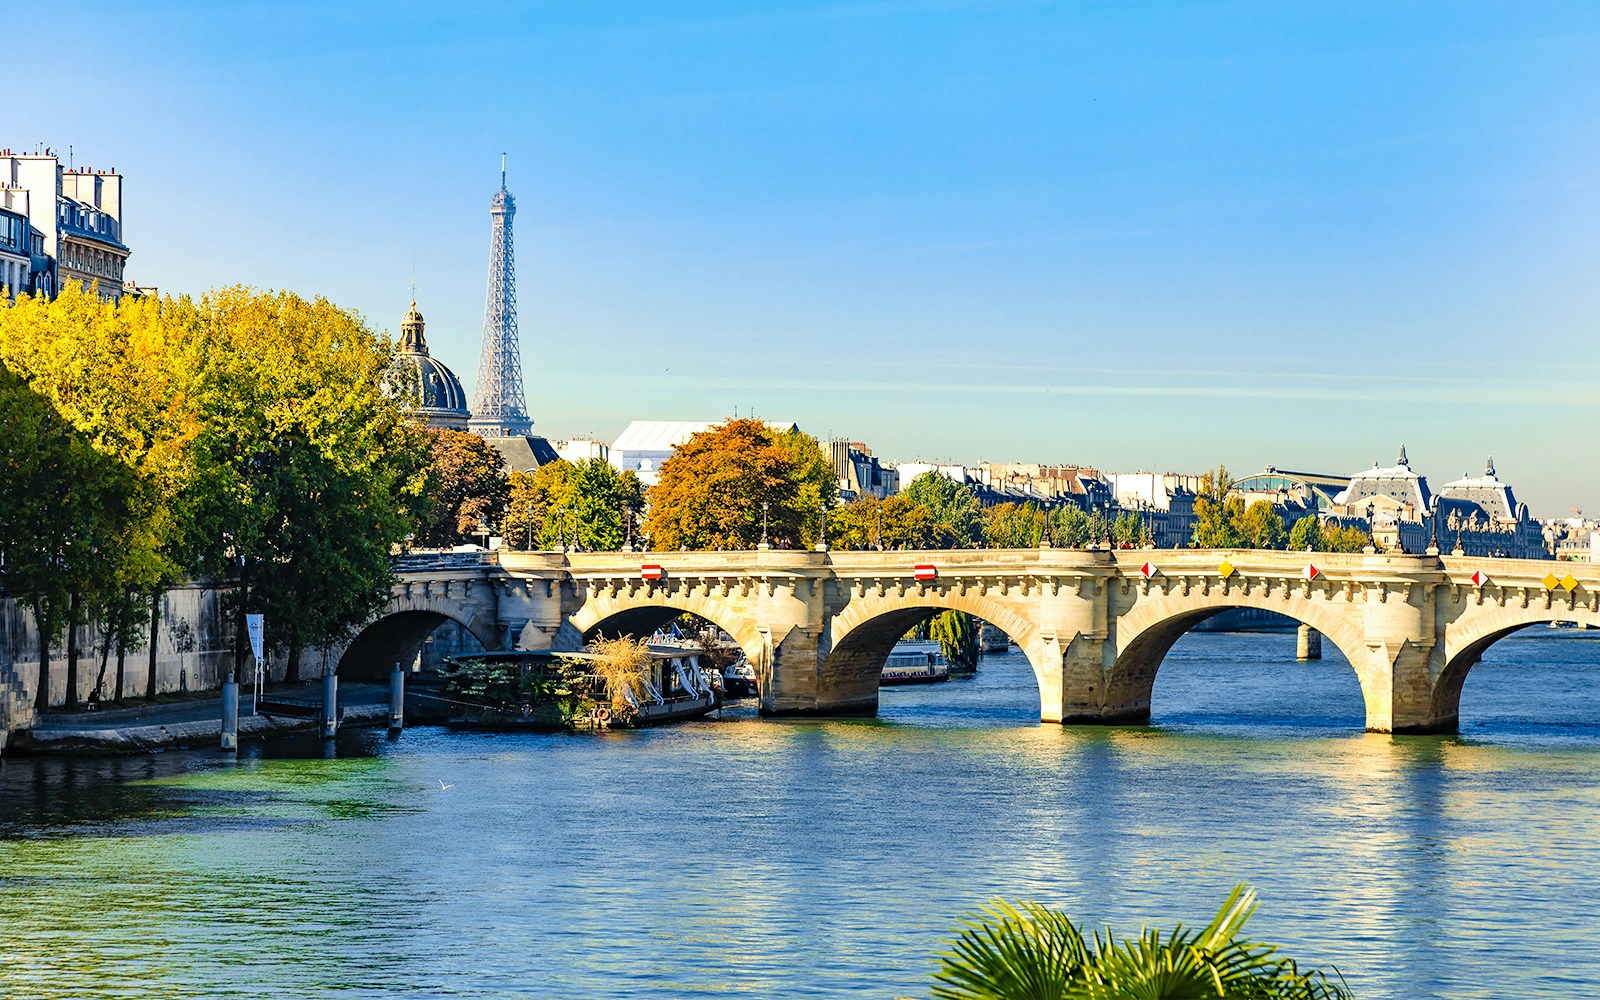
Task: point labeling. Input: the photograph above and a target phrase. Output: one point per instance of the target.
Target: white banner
(253, 625)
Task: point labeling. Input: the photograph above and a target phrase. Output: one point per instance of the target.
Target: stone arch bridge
(1095, 625)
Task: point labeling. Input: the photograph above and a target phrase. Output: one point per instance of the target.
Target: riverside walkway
(192, 722)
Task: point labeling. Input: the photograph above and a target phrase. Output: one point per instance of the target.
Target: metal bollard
(230, 716)
(397, 699)
(330, 705)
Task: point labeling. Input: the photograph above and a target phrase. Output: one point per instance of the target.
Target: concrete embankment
(194, 723)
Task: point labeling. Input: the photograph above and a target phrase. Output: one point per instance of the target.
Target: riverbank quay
(187, 723)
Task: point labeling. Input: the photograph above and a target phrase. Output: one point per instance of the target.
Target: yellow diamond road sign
(1550, 581)
(1226, 569)
(1569, 583)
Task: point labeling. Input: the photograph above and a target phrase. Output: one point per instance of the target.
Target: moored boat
(913, 667)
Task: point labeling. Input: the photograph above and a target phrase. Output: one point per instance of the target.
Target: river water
(794, 859)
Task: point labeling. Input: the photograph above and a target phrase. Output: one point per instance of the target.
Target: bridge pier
(1308, 643)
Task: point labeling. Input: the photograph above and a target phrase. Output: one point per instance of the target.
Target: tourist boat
(913, 666)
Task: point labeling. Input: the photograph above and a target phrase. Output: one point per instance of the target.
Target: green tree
(1069, 526)
(1013, 526)
(896, 522)
(590, 497)
(957, 516)
(956, 632)
(467, 485)
(1263, 527)
(1128, 530)
(63, 509)
(309, 475)
(712, 489)
(1344, 538)
(816, 480)
(1218, 515)
(1306, 535)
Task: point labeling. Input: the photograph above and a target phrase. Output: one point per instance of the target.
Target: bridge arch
(866, 630)
(1470, 636)
(643, 611)
(1147, 631)
(397, 635)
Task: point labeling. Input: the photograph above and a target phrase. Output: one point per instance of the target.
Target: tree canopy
(956, 514)
(249, 438)
(467, 484)
(711, 490)
(589, 499)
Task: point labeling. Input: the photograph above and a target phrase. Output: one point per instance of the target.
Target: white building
(583, 450)
(77, 214)
(911, 470)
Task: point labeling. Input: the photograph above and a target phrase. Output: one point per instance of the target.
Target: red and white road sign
(925, 573)
(1310, 572)
(1148, 570)
(1479, 578)
(651, 572)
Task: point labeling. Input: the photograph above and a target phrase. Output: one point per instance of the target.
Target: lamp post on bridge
(822, 543)
(764, 545)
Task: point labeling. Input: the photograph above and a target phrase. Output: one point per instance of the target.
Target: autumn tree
(590, 499)
(711, 491)
(467, 488)
(1344, 538)
(110, 372)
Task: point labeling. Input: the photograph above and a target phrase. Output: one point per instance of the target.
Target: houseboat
(676, 687)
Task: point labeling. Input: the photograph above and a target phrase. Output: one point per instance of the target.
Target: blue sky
(1122, 234)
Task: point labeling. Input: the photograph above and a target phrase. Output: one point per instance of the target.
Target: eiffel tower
(501, 408)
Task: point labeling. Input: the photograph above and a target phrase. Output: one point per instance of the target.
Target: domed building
(440, 400)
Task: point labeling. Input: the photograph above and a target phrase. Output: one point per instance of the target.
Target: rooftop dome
(440, 400)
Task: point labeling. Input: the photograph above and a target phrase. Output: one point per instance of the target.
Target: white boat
(913, 664)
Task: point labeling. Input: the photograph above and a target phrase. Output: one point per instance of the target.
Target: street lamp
(822, 543)
(764, 543)
(877, 534)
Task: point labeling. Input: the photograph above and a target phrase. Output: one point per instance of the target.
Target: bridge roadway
(1095, 625)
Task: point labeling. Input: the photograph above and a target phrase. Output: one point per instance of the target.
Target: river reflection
(829, 858)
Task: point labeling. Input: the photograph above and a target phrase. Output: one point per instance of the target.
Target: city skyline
(1164, 237)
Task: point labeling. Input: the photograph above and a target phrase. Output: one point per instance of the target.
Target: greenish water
(775, 859)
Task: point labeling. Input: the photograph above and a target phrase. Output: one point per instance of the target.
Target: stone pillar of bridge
(1403, 656)
(535, 600)
(1071, 654)
(790, 609)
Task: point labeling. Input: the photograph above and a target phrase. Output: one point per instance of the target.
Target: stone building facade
(73, 225)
